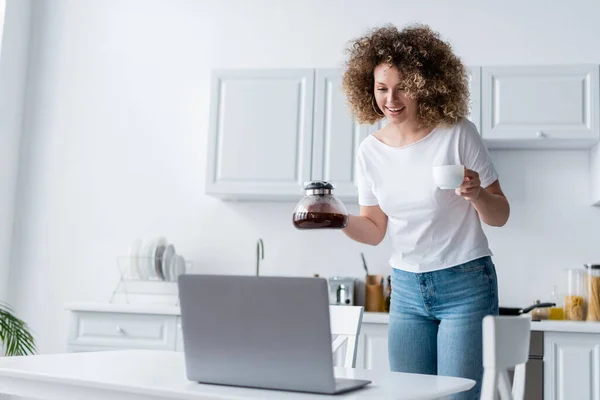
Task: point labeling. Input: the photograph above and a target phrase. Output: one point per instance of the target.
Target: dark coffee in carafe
(317, 220)
(319, 209)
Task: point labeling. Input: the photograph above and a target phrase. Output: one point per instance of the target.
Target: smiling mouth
(395, 111)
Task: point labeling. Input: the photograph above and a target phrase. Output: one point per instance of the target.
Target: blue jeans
(436, 320)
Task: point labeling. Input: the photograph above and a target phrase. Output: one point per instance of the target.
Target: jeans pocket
(468, 268)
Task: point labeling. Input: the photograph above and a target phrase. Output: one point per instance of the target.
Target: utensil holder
(374, 293)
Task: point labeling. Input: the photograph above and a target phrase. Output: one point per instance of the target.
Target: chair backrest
(505, 345)
(345, 328)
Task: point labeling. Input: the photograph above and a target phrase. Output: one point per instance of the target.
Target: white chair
(505, 345)
(345, 327)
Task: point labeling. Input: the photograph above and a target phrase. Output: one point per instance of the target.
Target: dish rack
(149, 280)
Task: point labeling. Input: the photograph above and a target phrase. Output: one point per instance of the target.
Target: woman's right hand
(369, 227)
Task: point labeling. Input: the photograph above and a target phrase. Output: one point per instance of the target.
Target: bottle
(574, 300)
(388, 295)
(320, 209)
(557, 311)
(592, 280)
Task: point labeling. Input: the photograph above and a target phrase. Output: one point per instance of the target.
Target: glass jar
(592, 281)
(575, 298)
(320, 209)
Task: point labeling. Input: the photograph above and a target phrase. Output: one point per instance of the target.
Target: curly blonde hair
(431, 72)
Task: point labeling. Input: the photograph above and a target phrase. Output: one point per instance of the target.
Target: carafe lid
(318, 185)
(592, 266)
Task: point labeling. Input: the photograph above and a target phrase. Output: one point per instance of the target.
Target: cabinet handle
(120, 330)
(540, 134)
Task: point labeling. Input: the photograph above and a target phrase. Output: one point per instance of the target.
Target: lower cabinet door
(373, 347)
(572, 365)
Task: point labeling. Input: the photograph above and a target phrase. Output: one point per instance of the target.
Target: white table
(153, 375)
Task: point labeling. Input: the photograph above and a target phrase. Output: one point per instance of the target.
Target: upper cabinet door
(540, 106)
(260, 137)
(475, 96)
(336, 135)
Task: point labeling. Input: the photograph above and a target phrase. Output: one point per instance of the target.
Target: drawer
(123, 330)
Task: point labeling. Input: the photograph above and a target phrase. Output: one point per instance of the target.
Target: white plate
(161, 245)
(142, 260)
(148, 263)
(168, 254)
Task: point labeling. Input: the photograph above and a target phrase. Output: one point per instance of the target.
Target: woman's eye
(381, 89)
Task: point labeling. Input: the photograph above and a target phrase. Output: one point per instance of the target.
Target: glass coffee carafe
(320, 209)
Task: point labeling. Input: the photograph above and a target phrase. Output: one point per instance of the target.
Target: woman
(443, 278)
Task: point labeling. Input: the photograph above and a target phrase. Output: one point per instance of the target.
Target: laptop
(262, 332)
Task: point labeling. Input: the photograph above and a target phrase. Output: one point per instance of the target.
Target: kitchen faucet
(260, 254)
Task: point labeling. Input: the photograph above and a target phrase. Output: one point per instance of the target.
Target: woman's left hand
(471, 186)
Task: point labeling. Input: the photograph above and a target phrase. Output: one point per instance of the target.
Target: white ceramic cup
(448, 176)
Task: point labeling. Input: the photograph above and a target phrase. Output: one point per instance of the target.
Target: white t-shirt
(430, 228)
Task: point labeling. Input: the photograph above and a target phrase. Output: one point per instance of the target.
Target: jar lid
(318, 185)
(592, 266)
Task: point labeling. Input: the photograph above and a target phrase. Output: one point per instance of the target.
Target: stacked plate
(155, 259)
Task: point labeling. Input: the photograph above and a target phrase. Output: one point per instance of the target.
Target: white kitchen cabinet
(260, 133)
(540, 106)
(372, 350)
(273, 130)
(571, 366)
(267, 137)
(336, 135)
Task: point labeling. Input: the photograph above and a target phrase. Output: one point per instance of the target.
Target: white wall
(115, 141)
(14, 40)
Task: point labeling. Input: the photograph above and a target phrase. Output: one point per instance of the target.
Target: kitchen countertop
(549, 326)
(368, 317)
(124, 308)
